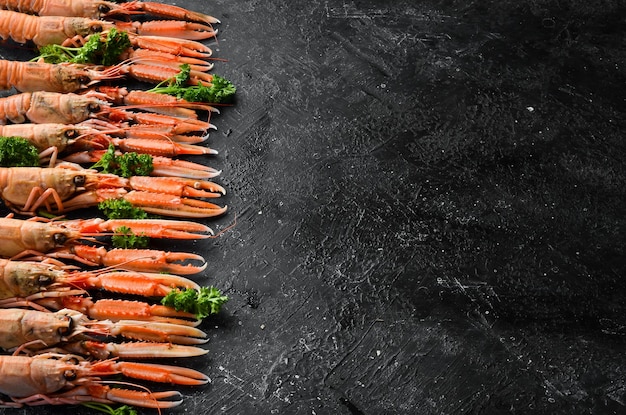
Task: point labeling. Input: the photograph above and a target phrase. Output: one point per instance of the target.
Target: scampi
(59, 190)
(34, 280)
(38, 240)
(56, 143)
(67, 346)
(53, 379)
(99, 9)
(73, 31)
(34, 329)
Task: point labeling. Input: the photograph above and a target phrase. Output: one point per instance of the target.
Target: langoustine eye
(70, 374)
(59, 238)
(71, 133)
(104, 9)
(79, 180)
(64, 331)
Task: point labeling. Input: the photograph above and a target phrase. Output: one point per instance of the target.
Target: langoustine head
(54, 107)
(26, 189)
(18, 237)
(23, 279)
(72, 78)
(93, 9)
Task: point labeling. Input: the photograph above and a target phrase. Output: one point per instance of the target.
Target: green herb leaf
(182, 77)
(125, 238)
(121, 209)
(96, 50)
(108, 409)
(55, 54)
(220, 91)
(18, 152)
(107, 161)
(125, 410)
(125, 165)
(133, 164)
(202, 303)
(89, 52)
(116, 43)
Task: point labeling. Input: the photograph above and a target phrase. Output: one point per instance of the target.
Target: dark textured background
(430, 209)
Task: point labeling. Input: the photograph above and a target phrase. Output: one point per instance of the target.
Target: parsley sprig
(202, 303)
(125, 165)
(97, 50)
(125, 238)
(121, 209)
(18, 152)
(108, 409)
(219, 91)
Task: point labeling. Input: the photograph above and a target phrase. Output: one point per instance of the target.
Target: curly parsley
(220, 91)
(124, 165)
(18, 152)
(96, 50)
(121, 209)
(125, 238)
(202, 303)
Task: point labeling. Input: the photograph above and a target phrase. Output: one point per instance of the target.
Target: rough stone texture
(429, 202)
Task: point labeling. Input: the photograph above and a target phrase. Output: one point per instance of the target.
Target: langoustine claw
(160, 10)
(132, 311)
(129, 350)
(135, 259)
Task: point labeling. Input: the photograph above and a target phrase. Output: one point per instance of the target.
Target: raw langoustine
(37, 240)
(99, 9)
(60, 30)
(53, 379)
(59, 190)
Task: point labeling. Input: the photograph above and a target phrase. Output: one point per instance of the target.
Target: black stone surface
(429, 202)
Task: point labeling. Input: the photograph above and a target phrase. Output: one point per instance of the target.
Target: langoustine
(31, 280)
(37, 240)
(59, 190)
(99, 9)
(60, 30)
(83, 144)
(53, 379)
(52, 107)
(33, 330)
